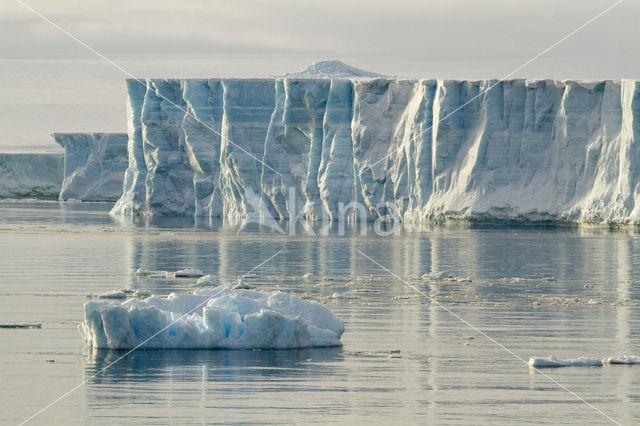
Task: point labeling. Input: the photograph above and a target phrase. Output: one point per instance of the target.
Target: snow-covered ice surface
(94, 165)
(216, 318)
(29, 175)
(524, 150)
(331, 69)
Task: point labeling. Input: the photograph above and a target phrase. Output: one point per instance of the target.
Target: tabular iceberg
(216, 319)
(560, 150)
(94, 165)
(30, 175)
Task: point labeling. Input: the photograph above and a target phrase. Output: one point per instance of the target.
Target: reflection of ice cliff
(525, 149)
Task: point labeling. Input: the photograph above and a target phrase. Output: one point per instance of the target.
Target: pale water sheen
(403, 359)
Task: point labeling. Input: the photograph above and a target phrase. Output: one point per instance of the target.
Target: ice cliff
(94, 165)
(562, 150)
(30, 175)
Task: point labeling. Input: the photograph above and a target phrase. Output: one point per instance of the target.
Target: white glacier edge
(216, 318)
(524, 150)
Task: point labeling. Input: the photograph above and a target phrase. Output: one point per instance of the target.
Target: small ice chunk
(307, 276)
(141, 293)
(115, 294)
(141, 272)
(437, 275)
(250, 275)
(243, 286)
(208, 281)
(549, 279)
(550, 362)
(188, 273)
(624, 359)
(463, 279)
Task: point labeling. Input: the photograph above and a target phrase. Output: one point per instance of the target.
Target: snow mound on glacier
(211, 319)
(331, 69)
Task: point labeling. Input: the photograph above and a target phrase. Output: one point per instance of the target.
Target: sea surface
(414, 350)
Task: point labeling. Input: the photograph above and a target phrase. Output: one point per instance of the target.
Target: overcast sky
(45, 74)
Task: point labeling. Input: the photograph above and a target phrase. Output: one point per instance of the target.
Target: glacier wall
(94, 165)
(30, 175)
(547, 149)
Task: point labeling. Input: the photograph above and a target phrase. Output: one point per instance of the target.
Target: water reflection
(206, 365)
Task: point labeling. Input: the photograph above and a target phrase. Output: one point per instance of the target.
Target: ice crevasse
(216, 318)
(525, 149)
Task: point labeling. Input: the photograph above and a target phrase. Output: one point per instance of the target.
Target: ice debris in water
(624, 359)
(115, 294)
(437, 275)
(141, 272)
(241, 285)
(208, 281)
(188, 273)
(541, 362)
(217, 318)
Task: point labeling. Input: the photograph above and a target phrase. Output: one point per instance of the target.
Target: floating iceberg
(94, 165)
(514, 149)
(552, 361)
(208, 281)
(212, 319)
(188, 273)
(624, 359)
(30, 175)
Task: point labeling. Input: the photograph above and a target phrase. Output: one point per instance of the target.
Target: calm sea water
(404, 359)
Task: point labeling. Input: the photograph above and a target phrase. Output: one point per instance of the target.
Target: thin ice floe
(217, 318)
(188, 273)
(437, 275)
(21, 325)
(624, 359)
(114, 294)
(141, 272)
(549, 362)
